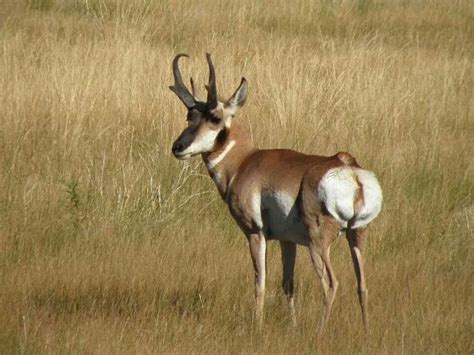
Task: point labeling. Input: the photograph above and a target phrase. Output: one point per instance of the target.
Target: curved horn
(179, 88)
(211, 88)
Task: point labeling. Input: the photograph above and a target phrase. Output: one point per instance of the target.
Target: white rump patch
(372, 198)
(338, 190)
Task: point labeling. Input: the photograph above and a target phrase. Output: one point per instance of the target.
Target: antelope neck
(211, 163)
(223, 163)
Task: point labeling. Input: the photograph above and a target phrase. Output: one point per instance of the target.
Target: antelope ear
(237, 100)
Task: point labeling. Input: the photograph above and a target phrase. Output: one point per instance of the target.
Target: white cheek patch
(203, 143)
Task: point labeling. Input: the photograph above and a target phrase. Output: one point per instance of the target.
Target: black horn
(211, 88)
(179, 88)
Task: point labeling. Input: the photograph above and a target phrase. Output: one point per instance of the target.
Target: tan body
(282, 194)
(257, 184)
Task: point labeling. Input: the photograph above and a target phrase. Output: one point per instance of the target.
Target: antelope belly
(281, 220)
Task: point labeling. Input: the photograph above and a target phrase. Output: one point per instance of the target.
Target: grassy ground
(108, 244)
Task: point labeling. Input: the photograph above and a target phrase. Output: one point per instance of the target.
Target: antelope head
(209, 121)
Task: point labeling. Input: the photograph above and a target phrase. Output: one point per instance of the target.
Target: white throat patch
(212, 163)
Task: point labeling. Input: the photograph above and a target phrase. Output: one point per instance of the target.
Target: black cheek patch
(222, 136)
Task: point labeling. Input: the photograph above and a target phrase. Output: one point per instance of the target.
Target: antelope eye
(215, 119)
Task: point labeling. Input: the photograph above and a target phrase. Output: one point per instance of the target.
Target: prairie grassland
(110, 245)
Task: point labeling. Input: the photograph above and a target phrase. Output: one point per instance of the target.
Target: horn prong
(212, 88)
(193, 88)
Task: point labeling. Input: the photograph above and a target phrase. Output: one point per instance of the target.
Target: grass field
(110, 245)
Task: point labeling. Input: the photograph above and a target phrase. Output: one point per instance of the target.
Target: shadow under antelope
(280, 194)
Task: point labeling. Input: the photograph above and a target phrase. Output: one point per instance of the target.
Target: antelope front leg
(258, 244)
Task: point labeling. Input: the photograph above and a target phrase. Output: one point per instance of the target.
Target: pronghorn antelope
(280, 194)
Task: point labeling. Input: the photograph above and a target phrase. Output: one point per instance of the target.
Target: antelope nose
(177, 147)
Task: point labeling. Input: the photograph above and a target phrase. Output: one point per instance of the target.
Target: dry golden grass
(108, 244)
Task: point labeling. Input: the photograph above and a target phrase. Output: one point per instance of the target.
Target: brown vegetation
(109, 244)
